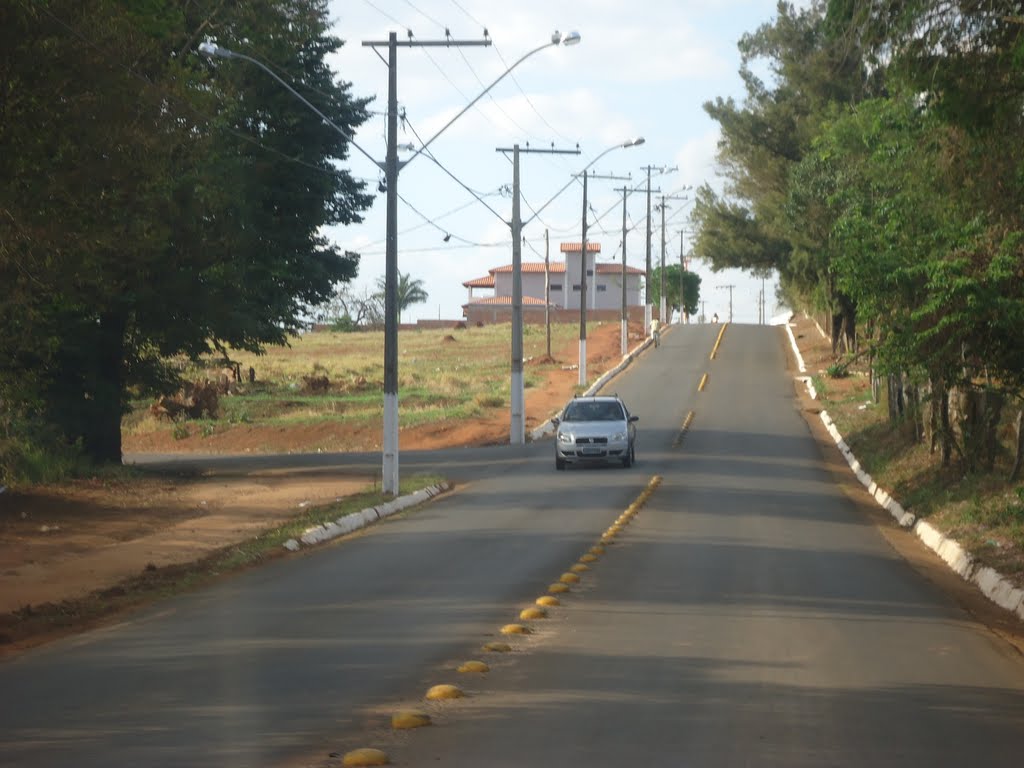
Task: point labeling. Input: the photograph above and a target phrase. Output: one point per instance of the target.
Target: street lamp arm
(571, 39)
(212, 49)
(622, 145)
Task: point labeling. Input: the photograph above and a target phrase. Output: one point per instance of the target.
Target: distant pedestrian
(714, 318)
(656, 332)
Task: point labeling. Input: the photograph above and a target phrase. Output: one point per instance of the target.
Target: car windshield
(593, 411)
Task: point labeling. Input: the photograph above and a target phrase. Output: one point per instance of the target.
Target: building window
(556, 286)
(602, 288)
(590, 273)
(576, 287)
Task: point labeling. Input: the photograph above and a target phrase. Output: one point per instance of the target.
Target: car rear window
(609, 411)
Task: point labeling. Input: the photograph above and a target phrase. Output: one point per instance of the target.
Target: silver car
(595, 430)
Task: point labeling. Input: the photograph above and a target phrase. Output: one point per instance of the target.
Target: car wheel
(627, 460)
(559, 463)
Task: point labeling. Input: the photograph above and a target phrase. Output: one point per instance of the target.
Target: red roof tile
(480, 282)
(532, 267)
(576, 247)
(504, 301)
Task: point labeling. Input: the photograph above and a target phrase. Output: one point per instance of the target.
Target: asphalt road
(748, 616)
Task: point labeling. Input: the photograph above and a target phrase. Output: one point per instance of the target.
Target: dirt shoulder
(66, 549)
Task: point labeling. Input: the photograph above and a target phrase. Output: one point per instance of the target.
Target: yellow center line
(718, 341)
(703, 381)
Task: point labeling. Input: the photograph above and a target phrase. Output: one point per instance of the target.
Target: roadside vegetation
(984, 511)
(329, 377)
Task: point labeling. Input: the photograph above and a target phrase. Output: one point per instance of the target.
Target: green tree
(158, 203)
(409, 291)
(766, 136)
(674, 278)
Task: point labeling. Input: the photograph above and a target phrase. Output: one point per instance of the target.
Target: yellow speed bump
(569, 578)
(549, 600)
(558, 588)
(474, 666)
(580, 568)
(588, 558)
(365, 756)
(497, 647)
(444, 691)
(402, 721)
(533, 612)
(597, 549)
(515, 629)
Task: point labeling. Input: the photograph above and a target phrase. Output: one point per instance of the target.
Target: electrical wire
(385, 14)
(198, 112)
(529, 101)
(430, 155)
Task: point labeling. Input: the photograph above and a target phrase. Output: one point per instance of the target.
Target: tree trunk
(979, 422)
(1019, 455)
(101, 426)
(896, 402)
(913, 422)
(946, 431)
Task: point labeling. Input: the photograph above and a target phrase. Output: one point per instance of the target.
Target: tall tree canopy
(158, 203)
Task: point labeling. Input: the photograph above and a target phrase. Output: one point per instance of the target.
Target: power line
(430, 156)
(385, 14)
(211, 119)
(426, 16)
(516, 81)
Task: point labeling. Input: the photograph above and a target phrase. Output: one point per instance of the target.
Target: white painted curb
(548, 428)
(992, 584)
(356, 520)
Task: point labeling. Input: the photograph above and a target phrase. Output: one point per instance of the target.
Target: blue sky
(642, 69)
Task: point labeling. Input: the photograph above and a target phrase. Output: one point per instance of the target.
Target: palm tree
(410, 291)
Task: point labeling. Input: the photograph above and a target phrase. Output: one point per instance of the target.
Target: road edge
(353, 521)
(993, 585)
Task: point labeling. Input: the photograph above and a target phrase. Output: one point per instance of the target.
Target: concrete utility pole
(584, 298)
(389, 470)
(583, 291)
(547, 290)
(517, 425)
(647, 278)
(663, 304)
(391, 166)
(683, 316)
(728, 288)
(624, 333)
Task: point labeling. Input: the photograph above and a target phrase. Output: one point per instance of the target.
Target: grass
(443, 373)
(39, 623)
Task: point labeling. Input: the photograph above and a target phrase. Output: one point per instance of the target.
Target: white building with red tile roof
(562, 281)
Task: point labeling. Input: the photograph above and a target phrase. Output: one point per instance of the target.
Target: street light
(391, 166)
(583, 258)
(213, 50)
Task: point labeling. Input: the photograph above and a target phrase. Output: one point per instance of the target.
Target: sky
(641, 69)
